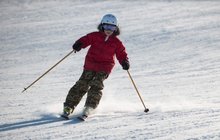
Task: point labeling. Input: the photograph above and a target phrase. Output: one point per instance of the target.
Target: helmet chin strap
(106, 38)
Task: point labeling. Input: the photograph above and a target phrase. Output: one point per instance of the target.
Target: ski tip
(82, 118)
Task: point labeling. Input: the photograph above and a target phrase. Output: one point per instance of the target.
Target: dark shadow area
(46, 119)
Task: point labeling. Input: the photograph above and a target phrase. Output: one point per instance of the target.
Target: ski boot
(66, 112)
(86, 112)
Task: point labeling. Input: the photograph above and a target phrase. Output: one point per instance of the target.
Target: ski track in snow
(174, 50)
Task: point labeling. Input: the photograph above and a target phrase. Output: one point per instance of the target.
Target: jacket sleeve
(86, 40)
(121, 53)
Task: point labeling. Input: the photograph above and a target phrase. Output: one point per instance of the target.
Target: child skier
(99, 61)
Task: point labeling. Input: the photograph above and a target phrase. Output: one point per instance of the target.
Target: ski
(64, 116)
(82, 117)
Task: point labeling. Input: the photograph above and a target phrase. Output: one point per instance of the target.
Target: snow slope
(174, 50)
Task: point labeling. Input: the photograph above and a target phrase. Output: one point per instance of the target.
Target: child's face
(108, 32)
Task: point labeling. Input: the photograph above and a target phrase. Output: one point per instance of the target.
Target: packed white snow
(174, 52)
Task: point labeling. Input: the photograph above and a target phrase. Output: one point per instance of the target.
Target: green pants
(91, 83)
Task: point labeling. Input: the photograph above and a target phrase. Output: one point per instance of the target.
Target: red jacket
(101, 54)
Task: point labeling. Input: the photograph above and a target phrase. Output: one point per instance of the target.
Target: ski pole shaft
(47, 71)
(145, 109)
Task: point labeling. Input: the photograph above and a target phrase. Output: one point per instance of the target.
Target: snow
(174, 50)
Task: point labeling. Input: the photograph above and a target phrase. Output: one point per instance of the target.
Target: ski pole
(48, 71)
(145, 109)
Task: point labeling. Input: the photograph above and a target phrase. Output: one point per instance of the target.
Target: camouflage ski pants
(91, 83)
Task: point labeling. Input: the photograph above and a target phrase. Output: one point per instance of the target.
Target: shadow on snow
(46, 119)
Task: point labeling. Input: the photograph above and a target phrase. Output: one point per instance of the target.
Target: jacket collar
(105, 36)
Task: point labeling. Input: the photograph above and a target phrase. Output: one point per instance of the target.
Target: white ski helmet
(109, 19)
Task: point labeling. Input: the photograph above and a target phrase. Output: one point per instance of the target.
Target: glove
(77, 46)
(125, 65)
